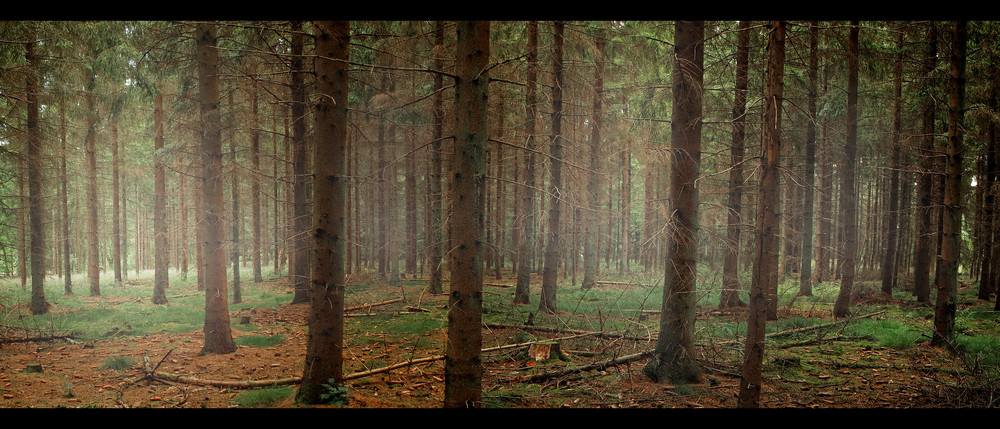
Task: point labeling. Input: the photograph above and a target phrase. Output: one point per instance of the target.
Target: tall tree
(848, 196)
(951, 229)
(255, 250)
(730, 271)
(64, 200)
(590, 257)
(218, 333)
(116, 202)
(160, 274)
(93, 254)
(550, 270)
(526, 251)
(808, 189)
(435, 236)
(925, 235)
(300, 249)
(38, 303)
(765, 264)
(673, 357)
(463, 365)
(891, 215)
(234, 227)
(324, 350)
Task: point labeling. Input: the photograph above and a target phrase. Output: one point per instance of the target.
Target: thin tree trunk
(765, 266)
(64, 199)
(922, 257)
(434, 251)
(218, 333)
(116, 205)
(234, 239)
(463, 365)
(300, 269)
(805, 270)
(730, 270)
(160, 277)
(590, 257)
(324, 352)
(891, 215)
(550, 272)
(93, 271)
(526, 252)
(848, 196)
(255, 208)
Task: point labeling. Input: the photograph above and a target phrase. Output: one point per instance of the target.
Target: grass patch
(259, 340)
(262, 398)
(118, 363)
(887, 332)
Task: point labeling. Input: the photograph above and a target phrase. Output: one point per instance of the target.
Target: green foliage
(118, 363)
(262, 398)
(887, 332)
(259, 340)
(336, 394)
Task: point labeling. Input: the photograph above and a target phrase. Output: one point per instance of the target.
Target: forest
(499, 214)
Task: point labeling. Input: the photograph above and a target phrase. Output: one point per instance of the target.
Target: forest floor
(73, 373)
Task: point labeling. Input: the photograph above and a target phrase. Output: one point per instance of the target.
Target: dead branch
(359, 307)
(821, 326)
(534, 378)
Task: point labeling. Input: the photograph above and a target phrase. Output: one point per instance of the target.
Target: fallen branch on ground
(358, 307)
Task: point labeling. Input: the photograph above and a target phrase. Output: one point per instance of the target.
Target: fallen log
(534, 378)
(359, 307)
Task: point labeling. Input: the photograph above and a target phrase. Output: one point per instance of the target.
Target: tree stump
(33, 367)
(544, 351)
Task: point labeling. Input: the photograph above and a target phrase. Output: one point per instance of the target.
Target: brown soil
(72, 376)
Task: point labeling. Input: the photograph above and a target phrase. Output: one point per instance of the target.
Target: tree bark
(255, 208)
(116, 206)
(235, 225)
(891, 215)
(300, 251)
(436, 238)
(463, 365)
(550, 272)
(38, 303)
(925, 235)
(160, 275)
(730, 271)
(93, 268)
(218, 334)
(526, 252)
(64, 200)
(848, 195)
(951, 229)
(324, 352)
(765, 265)
(808, 190)
(590, 257)
(673, 357)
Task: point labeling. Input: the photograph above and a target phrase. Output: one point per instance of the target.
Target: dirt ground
(71, 375)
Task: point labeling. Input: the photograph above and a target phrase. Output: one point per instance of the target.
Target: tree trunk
(324, 352)
(526, 252)
(255, 208)
(925, 235)
(550, 272)
(848, 196)
(765, 265)
(463, 366)
(93, 267)
(891, 215)
(590, 259)
(805, 270)
(951, 230)
(730, 271)
(300, 250)
(434, 251)
(988, 275)
(674, 355)
(160, 276)
(234, 239)
(64, 199)
(38, 303)
(218, 334)
(116, 206)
